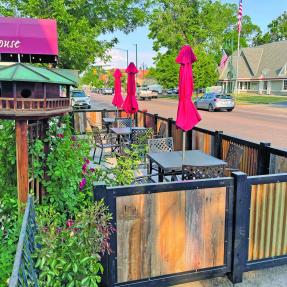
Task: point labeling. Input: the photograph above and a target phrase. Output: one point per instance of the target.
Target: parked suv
(80, 99)
(213, 102)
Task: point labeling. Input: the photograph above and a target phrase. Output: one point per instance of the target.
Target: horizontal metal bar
(267, 178)
(170, 186)
(275, 151)
(179, 278)
(266, 263)
(205, 131)
(240, 141)
(94, 110)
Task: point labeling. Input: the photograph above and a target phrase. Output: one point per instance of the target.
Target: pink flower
(83, 183)
(84, 168)
(92, 169)
(61, 136)
(69, 223)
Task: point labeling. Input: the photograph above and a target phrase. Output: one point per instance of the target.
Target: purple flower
(83, 183)
(73, 138)
(92, 169)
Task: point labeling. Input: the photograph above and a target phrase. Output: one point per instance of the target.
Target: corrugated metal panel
(268, 221)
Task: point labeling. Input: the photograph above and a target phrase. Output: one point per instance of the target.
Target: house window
(265, 85)
(285, 85)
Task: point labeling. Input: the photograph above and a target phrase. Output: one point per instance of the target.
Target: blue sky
(262, 12)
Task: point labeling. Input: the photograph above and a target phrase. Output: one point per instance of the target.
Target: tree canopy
(277, 31)
(80, 23)
(208, 26)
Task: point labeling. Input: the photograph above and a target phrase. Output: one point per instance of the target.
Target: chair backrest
(234, 156)
(109, 114)
(97, 135)
(202, 172)
(141, 135)
(160, 144)
(124, 122)
(162, 129)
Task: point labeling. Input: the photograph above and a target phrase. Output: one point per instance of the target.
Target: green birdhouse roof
(20, 72)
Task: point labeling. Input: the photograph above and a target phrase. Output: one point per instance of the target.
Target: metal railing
(24, 272)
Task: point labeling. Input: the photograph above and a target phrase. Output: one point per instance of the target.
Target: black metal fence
(24, 272)
(164, 234)
(257, 159)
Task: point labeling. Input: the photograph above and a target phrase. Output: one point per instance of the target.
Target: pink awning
(28, 36)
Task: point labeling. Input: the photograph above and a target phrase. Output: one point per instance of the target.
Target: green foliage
(9, 235)
(205, 25)
(277, 31)
(80, 23)
(70, 254)
(8, 174)
(204, 69)
(63, 166)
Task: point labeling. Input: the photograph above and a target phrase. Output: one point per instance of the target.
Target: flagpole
(237, 63)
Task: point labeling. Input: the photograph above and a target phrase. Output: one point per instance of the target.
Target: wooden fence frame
(109, 195)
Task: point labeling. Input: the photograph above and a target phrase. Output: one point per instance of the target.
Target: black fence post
(189, 140)
(155, 116)
(241, 215)
(136, 118)
(169, 127)
(217, 144)
(263, 159)
(144, 119)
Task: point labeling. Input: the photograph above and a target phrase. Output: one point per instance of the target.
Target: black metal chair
(161, 131)
(109, 114)
(103, 142)
(124, 123)
(159, 145)
(233, 158)
(202, 172)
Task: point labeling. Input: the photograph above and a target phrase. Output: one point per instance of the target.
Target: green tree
(277, 31)
(80, 23)
(92, 77)
(204, 69)
(205, 25)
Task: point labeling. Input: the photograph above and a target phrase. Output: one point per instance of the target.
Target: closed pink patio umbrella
(187, 114)
(117, 99)
(130, 104)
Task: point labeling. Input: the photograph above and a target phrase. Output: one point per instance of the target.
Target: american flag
(223, 60)
(240, 13)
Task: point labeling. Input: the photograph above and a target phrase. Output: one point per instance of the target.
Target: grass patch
(259, 99)
(246, 99)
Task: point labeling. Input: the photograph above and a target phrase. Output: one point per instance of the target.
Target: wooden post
(22, 160)
(155, 123)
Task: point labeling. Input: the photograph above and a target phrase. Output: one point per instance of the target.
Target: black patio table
(124, 132)
(108, 122)
(170, 163)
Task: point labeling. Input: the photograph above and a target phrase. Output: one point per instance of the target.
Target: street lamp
(127, 52)
(136, 54)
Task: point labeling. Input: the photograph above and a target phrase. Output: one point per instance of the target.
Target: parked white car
(80, 100)
(215, 102)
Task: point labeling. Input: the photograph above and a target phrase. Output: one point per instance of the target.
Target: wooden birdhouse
(29, 92)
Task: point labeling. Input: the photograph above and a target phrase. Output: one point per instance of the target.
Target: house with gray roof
(262, 70)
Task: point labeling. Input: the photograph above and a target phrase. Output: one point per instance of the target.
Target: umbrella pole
(183, 145)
